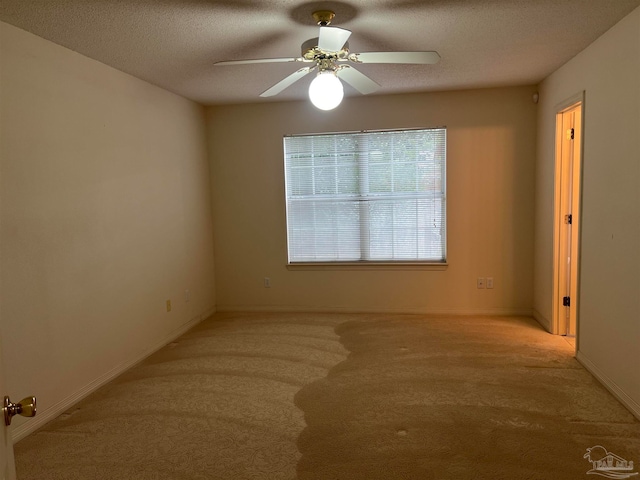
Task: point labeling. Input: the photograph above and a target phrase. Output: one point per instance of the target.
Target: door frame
(559, 324)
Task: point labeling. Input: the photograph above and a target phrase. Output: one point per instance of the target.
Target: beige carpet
(320, 396)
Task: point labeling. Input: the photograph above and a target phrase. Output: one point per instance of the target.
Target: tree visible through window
(376, 196)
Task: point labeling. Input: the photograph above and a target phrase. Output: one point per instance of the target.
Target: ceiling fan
(329, 53)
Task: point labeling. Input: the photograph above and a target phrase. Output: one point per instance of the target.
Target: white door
(7, 466)
(568, 169)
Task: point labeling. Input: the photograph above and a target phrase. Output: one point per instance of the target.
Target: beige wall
(105, 214)
(491, 156)
(608, 71)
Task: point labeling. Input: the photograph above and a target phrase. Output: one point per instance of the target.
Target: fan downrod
(323, 17)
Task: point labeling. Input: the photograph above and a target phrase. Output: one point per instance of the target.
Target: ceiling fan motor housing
(311, 52)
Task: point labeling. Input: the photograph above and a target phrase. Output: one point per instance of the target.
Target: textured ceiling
(174, 43)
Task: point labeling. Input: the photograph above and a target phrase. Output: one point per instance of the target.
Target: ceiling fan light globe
(326, 91)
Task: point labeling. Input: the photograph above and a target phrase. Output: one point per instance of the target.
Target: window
(375, 196)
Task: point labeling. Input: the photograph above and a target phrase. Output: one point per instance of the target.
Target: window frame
(399, 264)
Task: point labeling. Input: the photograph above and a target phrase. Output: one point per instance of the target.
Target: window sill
(367, 266)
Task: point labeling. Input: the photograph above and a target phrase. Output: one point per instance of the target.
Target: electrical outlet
(267, 282)
(168, 305)
(489, 282)
(480, 282)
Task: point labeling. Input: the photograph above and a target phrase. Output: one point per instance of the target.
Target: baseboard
(55, 410)
(542, 320)
(626, 400)
(411, 310)
(207, 313)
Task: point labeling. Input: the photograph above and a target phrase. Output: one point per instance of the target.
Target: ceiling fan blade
(357, 80)
(396, 57)
(332, 39)
(260, 60)
(287, 81)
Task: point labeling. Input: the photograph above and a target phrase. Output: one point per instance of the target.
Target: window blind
(366, 196)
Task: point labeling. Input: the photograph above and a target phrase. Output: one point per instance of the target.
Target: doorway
(568, 170)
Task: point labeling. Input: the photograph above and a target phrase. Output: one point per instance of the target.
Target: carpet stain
(451, 398)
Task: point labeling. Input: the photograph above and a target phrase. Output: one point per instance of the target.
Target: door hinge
(566, 302)
(568, 219)
(571, 134)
